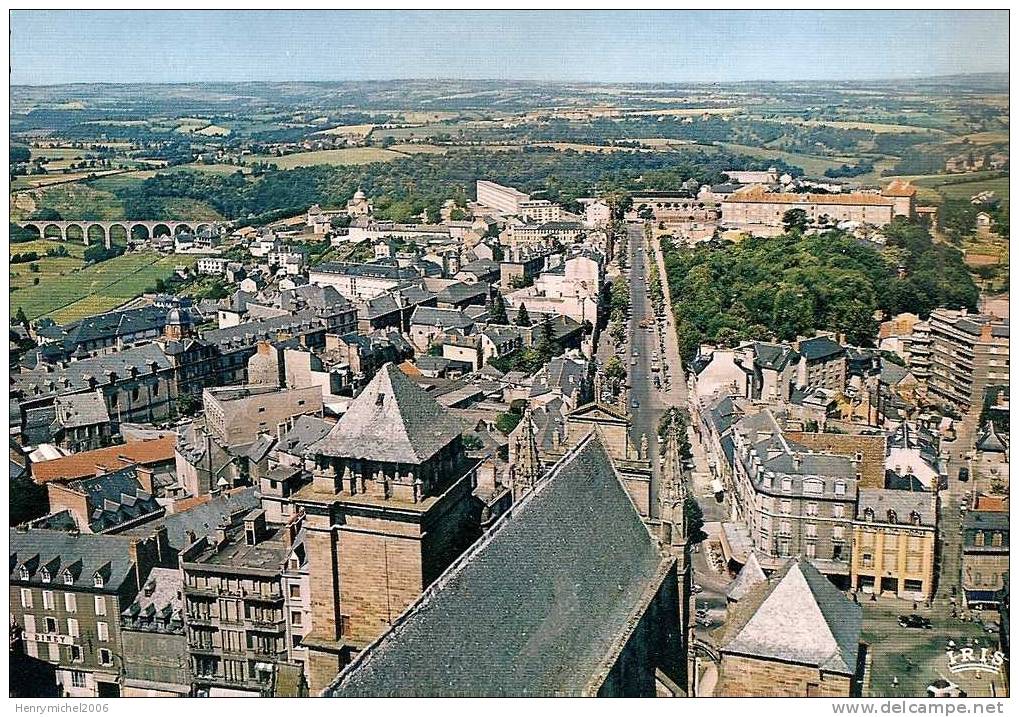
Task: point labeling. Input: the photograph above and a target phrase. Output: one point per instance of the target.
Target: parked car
(917, 622)
(695, 588)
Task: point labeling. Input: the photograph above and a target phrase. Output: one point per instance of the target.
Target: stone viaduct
(87, 230)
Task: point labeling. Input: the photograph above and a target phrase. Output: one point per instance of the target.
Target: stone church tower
(389, 508)
(674, 531)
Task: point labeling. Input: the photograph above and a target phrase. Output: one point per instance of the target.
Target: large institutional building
(503, 200)
(758, 210)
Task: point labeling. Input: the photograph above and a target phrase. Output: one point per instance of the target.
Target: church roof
(535, 606)
(391, 421)
(798, 616)
(749, 576)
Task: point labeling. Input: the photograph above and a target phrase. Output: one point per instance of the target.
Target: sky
(54, 47)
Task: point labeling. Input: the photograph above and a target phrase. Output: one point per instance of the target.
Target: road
(642, 345)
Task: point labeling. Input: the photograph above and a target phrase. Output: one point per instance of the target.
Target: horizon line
(892, 78)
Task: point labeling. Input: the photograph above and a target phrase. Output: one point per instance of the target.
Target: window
(838, 532)
(836, 552)
(134, 393)
(787, 507)
(811, 550)
(979, 538)
(72, 627)
(868, 515)
(893, 518)
(100, 605)
(51, 626)
(838, 511)
(97, 581)
(77, 678)
(26, 597)
(70, 602)
(784, 528)
(68, 578)
(813, 486)
(45, 575)
(103, 631)
(840, 487)
(811, 509)
(295, 591)
(787, 485)
(868, 560)
(30, 624)
(76, 654)
(295, 618)
(996, 540)
(105, 656)
(47, 599)
(811, 531)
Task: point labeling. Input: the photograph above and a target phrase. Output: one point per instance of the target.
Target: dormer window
(380, 399)
(892, 517)
(914, 518)
(868, 515)
(68, 578)
(23, 573)
(787, 484)
(44, 574)
(98, 581)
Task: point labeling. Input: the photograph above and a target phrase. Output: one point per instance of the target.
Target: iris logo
(968, 659)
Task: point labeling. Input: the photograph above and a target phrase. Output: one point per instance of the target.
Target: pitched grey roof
(534, 607)
(441, 318)
(798, 616)
(81, 554)
(81, 409)
(306, 431)
(391, 421)
(749, 575)
(903, 502)
(990, 441)
(74, 378)
(115, 498)
(158, 606)
(201, 519)
(820, 347)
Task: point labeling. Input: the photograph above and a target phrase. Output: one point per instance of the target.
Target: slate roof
(798, 616)
(441, 318)
(114, 499)
(460, 292)
(201, 519)
(903, 502)
(774, 356)
(305, 431)
(749, 575)
(110, 325)
(533, 607)
(990, 441)
(391, 421)
(820, 347)
(83, 555)
(74, 377)
(158, 607)
(81, 409)
(249, 332)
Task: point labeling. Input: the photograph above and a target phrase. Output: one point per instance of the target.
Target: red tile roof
(104, 460)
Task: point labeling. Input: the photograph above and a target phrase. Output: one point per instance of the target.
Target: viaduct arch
(89, 231)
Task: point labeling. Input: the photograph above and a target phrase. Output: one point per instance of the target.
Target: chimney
(144, 475)
(254, 526)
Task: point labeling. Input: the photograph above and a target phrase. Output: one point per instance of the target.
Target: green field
(90, 290)
(967, 189)
(813, 166)
(352, 155)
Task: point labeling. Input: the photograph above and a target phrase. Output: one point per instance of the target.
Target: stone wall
(742, 676)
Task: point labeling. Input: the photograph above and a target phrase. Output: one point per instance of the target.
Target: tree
(20, 318)
(795, 220)
(523, 319)
(694, 517)
(506, 422)
(497, 313)
(472, 443)
(546, 344)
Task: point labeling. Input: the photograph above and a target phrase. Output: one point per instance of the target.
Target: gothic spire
(672, 492)
(527, 468)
